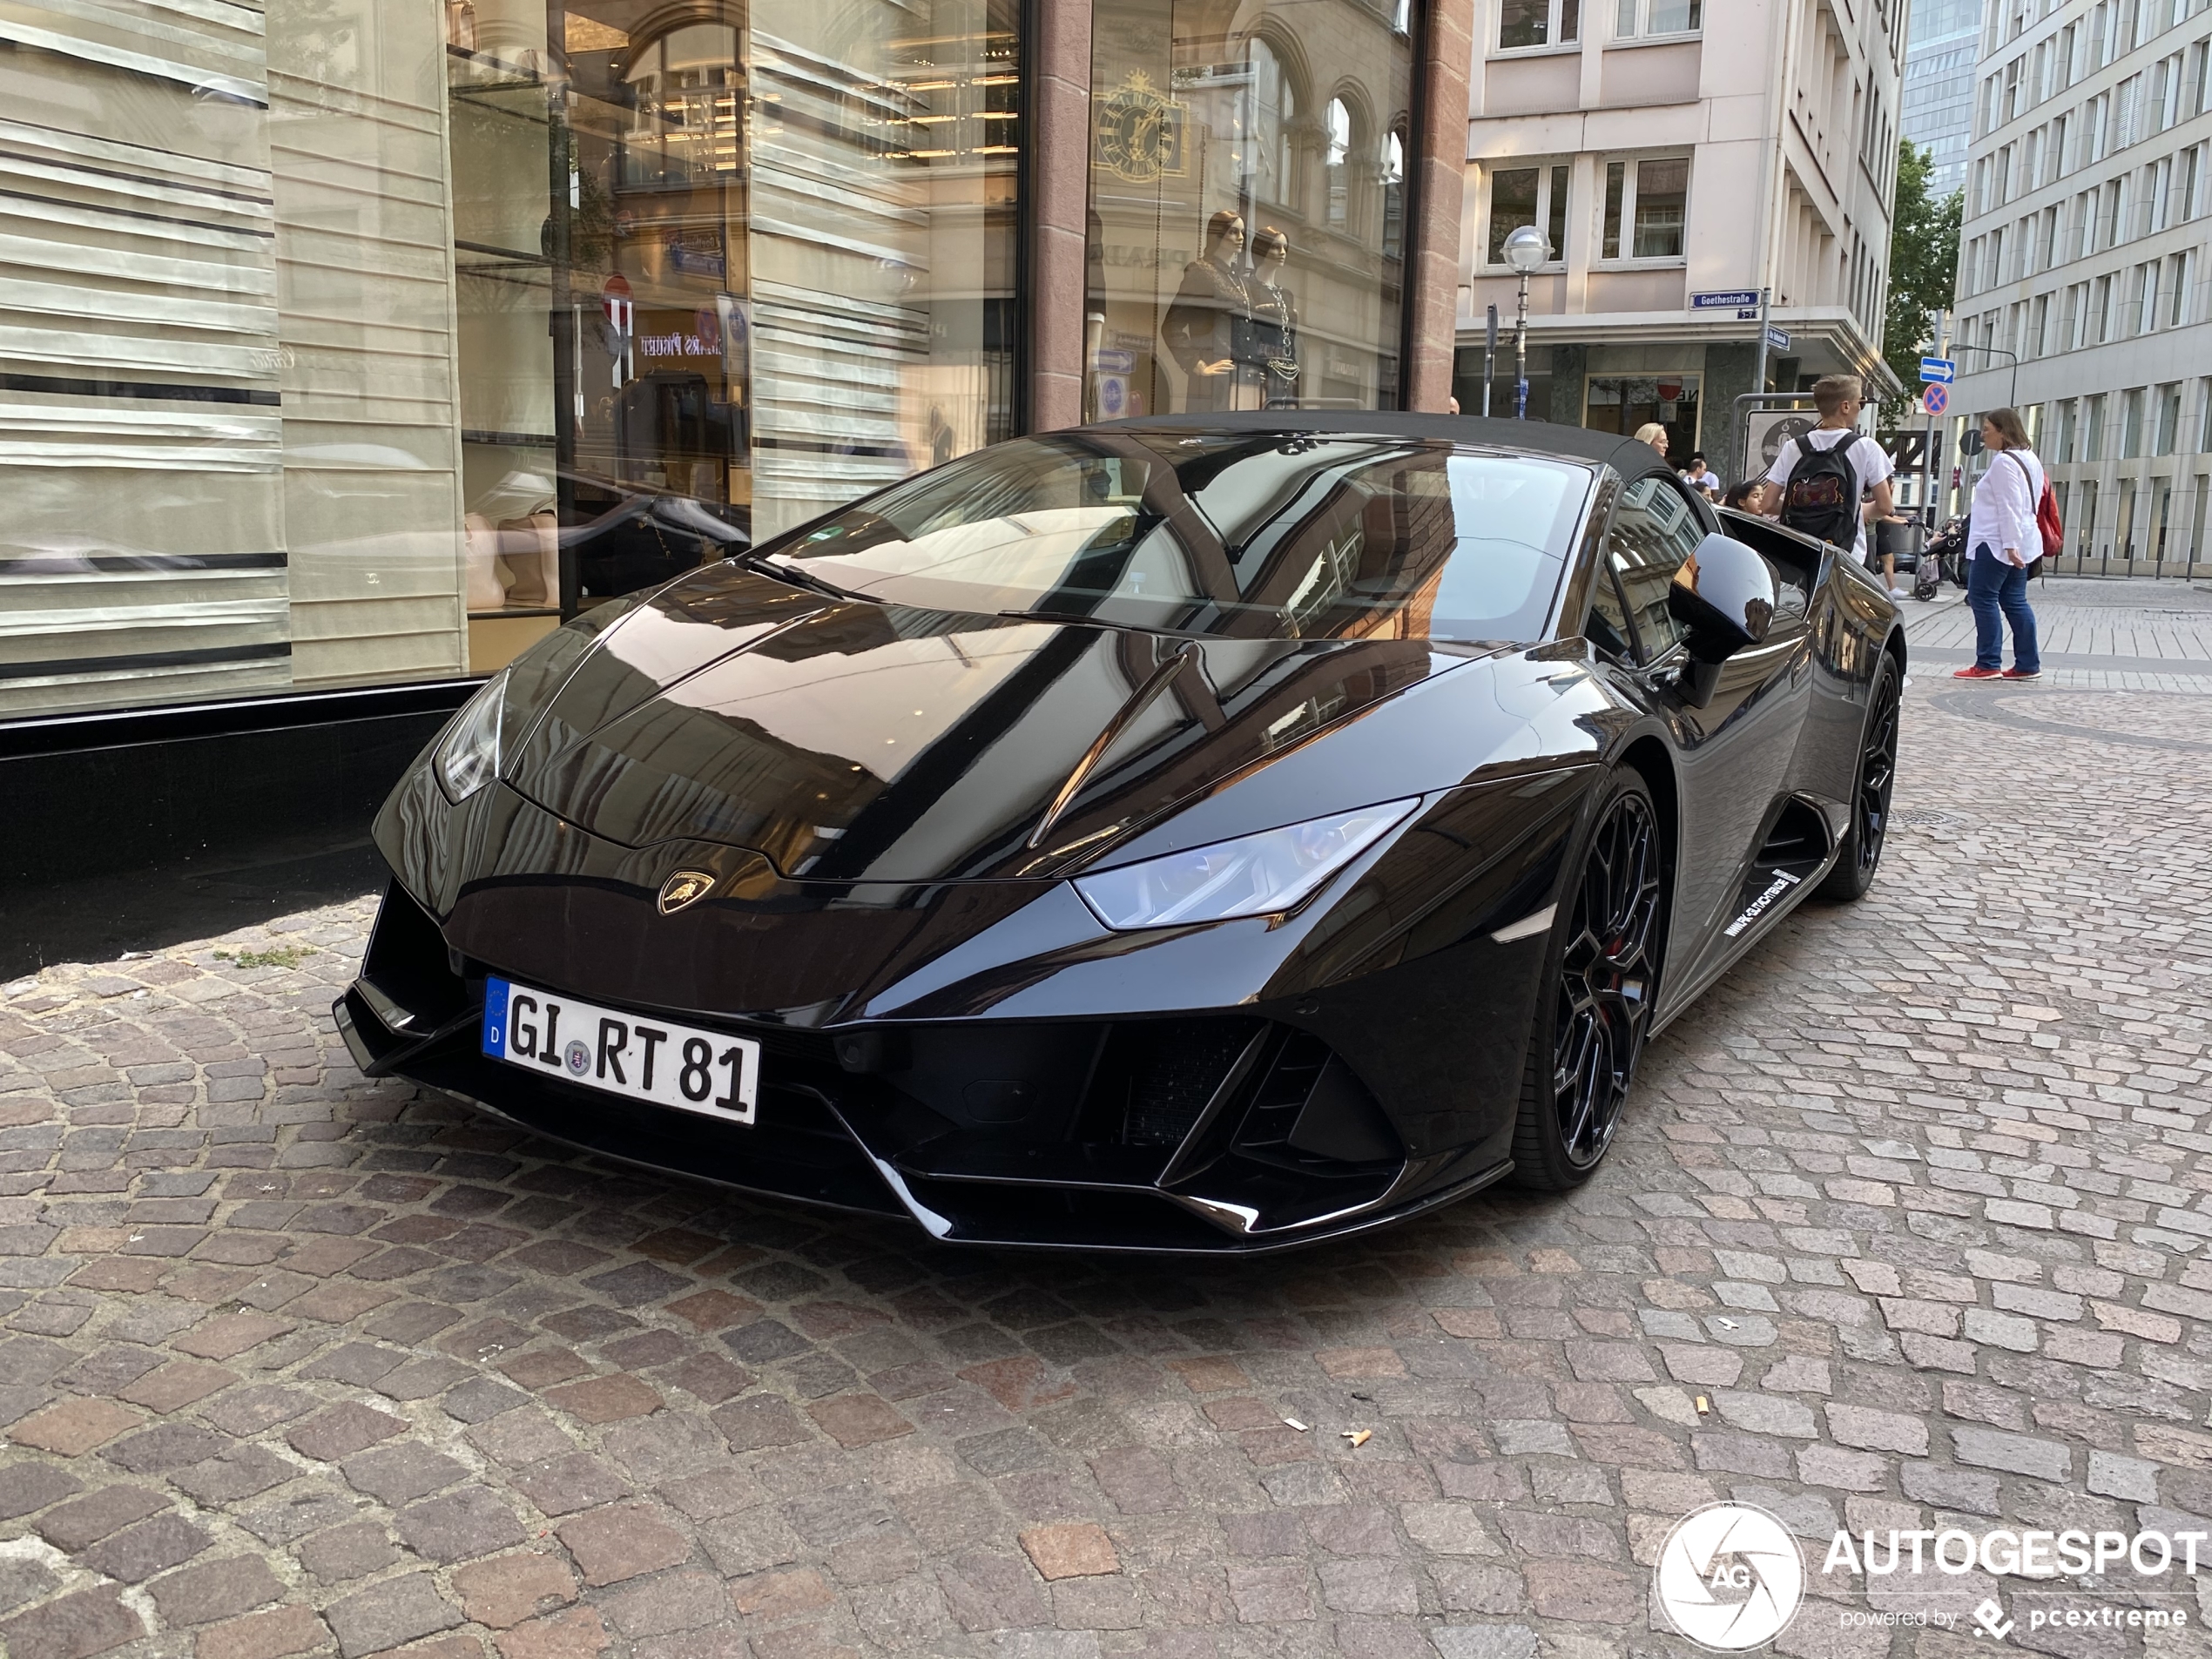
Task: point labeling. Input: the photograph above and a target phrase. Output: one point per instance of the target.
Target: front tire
(1600, 982)
(1860, 856)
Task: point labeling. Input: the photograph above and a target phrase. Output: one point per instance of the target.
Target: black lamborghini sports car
(1203, 834)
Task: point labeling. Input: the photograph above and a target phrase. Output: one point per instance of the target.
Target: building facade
(357, 345)
(1670, 149)
(1939, 59)
(2082, 295)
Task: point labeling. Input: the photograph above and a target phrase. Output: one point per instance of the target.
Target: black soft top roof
(1625, 456)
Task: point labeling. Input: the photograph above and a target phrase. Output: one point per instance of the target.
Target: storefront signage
(1141, 131)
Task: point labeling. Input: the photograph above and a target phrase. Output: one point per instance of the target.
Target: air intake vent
(1172, 1067)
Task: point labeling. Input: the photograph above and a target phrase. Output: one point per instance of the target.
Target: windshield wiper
(795, 577)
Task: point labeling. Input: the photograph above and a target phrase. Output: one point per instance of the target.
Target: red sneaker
(1977, 673)
(2016, 674)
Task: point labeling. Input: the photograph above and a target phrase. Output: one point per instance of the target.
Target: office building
(2083, 265)
(1940, 60)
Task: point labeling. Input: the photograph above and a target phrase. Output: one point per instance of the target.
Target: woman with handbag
(2003, 542)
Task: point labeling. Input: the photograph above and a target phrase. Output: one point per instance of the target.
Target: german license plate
(658, 1061)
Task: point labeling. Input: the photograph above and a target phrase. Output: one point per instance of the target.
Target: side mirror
(1724, 597)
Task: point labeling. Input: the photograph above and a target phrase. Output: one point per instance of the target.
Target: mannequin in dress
(1210, 309)
(1273, 333)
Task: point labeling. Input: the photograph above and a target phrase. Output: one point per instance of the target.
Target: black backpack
(1821, 499)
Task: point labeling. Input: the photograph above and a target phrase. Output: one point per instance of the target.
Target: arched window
(1337, 164)
(1269, 159)
(1393, 184)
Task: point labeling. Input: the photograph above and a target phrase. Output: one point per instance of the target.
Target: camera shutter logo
(1730, 1577)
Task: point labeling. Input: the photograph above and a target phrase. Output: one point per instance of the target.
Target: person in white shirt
(2002, 540)
(1839, 398)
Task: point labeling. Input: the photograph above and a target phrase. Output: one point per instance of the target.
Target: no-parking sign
(1935, 398)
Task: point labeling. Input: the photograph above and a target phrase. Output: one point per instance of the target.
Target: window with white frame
(1633, 19)
(2185, 202)
(1539, 23)
(2166, 423)
(1336, 163)
(2166, 93)
(2142, 298)
(1647, 208)
(1528, 195)
(2178, 272)
(2158, 187)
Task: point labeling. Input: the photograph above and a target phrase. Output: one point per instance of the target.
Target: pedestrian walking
(1655, 435)
(1700, 477)
(1823, 479)
(2002, 541)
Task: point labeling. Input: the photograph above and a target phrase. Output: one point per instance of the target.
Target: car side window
(1607, 628)
(1654, 531)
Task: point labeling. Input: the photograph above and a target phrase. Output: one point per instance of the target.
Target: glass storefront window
(1247, 206)
(1626, 403)
(361, 343)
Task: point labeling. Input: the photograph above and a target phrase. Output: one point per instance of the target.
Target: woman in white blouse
(2002, 541)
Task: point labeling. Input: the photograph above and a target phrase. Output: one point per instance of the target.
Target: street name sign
(1723, 300)
(1938, 369)
(1777, 338)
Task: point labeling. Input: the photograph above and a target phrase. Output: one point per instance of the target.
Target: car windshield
(1266, 534)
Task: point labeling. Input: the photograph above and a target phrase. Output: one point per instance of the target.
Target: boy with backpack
(1822, 476)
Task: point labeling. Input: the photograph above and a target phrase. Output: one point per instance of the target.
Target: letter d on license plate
(681, 1067)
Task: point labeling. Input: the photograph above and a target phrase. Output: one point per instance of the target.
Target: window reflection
(719, 268)
(1219, 142)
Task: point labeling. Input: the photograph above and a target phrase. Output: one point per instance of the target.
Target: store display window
(1627, 403)
(359, 342)
(1247, 206)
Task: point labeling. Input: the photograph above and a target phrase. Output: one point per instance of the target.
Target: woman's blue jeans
(1995, 585)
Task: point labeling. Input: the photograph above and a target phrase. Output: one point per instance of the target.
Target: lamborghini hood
(847, 740)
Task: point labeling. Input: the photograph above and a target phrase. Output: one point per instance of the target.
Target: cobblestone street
(1906, 1228)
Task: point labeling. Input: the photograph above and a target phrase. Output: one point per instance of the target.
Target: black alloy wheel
(1861, 853)
(1600, 987)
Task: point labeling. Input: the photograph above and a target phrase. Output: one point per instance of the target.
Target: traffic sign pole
(1927, 455)
(1758, 373)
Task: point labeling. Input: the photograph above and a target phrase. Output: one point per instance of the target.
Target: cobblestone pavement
(1905, 1229)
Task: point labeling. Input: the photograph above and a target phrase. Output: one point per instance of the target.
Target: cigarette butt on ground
(1359, 1437)
(1705, 1406)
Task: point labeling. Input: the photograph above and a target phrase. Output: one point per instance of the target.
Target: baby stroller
(1942, 559)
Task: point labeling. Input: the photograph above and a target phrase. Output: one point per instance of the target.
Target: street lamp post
(1526, 249)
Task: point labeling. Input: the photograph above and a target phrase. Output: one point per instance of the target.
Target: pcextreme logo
(1729, 1576)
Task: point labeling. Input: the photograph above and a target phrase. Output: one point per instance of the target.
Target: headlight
(1253, 875)
(468, 757)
